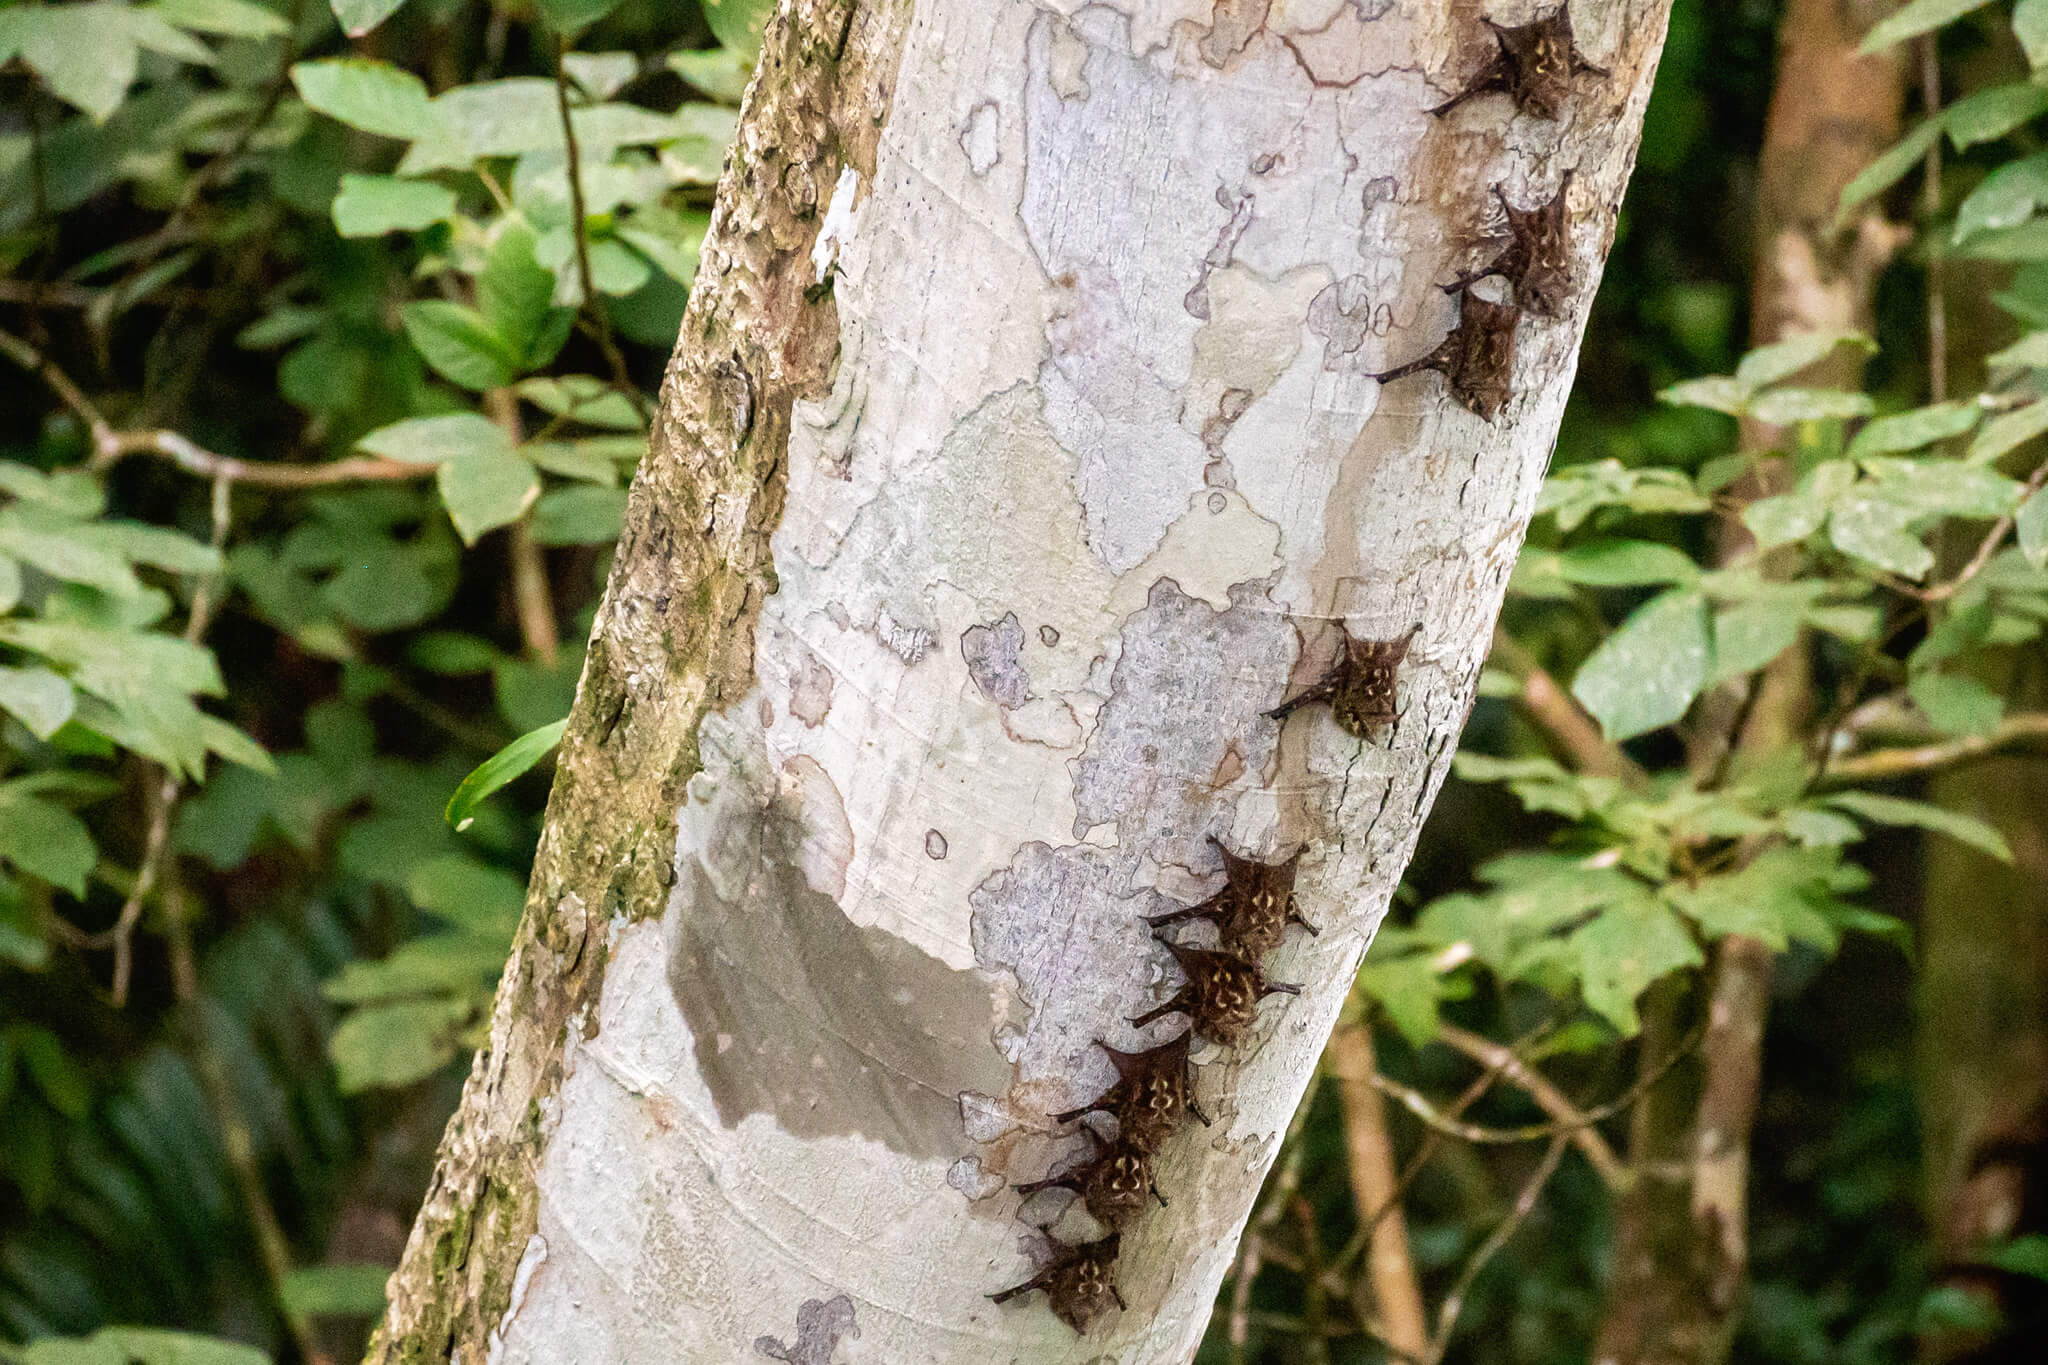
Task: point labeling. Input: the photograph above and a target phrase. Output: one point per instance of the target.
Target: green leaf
(1890, 165)
(1912, 20)
(1748, 635)
(2005, 198)
(45, 840)
(719, 72)
(2030, 26)
(437, 965)
(738, 23)
(1993, 113)
(1783, 407)
(1914, 430)
(460, 344)
(451, 654)
(1782, 519)
(140, 1346)
(1955, 704)
(500, 768)
(2009, 430)
(37, 698)
(2029, 352)
(516, 293)
(1893, 810)
(2026, 243)
(431, 440)
(1718, 393)
(2024, 1255)
(358, 17)
(1873, 528)
(335, 1290)
(1408, 989)
(1626, 563)
(56, 1075)
(587, 399)
(371, 205)
(386, 1046)
(1622, 951)
(230, 18)
(1781, 360)
(87, 54)
(1648, 671)
(2031, 525)
(1772, 898)
(373, 96)
(601, 74)
(485, 491)
(570, 17)
(468, 894)
(579, 516)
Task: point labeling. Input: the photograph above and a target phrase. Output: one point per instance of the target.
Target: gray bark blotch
(992, 653)
(835, 1029)
(820, 1323)
(1149, 772)
(1052, 918)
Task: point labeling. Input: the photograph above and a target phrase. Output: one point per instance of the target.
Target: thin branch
(1419, 1105)
(1879, 764)
(1548, 1098)
(1563, 719)
(1525, 1204)
(1396, 1309)
(163, 797)
(1941, 592)
(1930, 204)
(533, 600)
(1432, 1140)
(110, 445)
(593, 307)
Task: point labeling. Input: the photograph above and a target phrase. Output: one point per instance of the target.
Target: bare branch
(1572, 1122)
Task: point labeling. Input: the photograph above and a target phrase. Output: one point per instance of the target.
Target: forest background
(1715, 1009)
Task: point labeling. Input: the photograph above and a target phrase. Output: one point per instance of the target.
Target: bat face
(1080, 1284)
(1482, 358)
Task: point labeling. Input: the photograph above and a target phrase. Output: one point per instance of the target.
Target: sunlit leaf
(1648, 671)
(502, 767)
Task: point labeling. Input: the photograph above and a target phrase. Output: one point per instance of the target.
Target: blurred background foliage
(329, 359)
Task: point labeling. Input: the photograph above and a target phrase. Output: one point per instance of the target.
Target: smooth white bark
(1101, 463)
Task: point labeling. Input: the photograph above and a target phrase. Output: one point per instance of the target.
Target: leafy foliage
(320, 354)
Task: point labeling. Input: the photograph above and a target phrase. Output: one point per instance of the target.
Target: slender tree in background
(1681, 1243)
(1024, 446)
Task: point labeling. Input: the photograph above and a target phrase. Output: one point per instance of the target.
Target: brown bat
(1477, 358)
(1537, 258)
(1221, 996)
(1359, 686)
(1080, 1284)
(1113, 1187)
(1534, 64)
(1151, 1098)
(1253, 909)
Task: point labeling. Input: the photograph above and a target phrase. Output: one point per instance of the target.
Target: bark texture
(1021, 450)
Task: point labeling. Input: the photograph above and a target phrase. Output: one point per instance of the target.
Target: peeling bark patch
(935, 846)
(1146, 771)
(1231, 31)
(1036, 918)
(1048, 636)
(835, 1029)
(991, 652)
(820, 1323)
(980, 138)
(810, 691)
(1344, 315)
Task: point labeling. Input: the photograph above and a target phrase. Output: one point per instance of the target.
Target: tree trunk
(1681, 1237)
(1020, 450)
